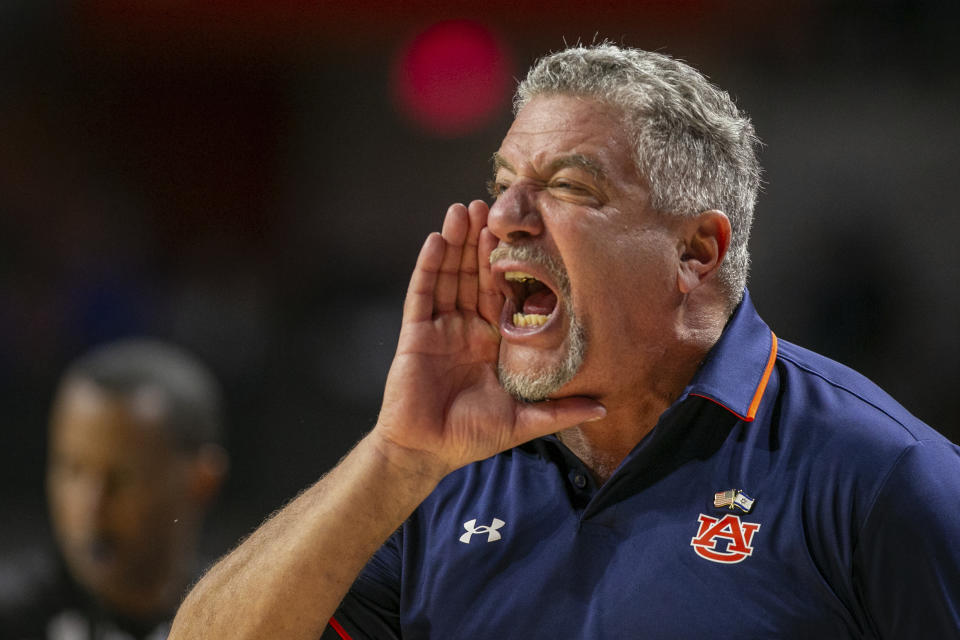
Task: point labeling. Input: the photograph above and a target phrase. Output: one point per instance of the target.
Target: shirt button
(580, 480)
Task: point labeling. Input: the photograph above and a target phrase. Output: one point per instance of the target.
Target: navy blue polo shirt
(782, 495)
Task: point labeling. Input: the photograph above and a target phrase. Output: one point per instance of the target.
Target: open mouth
(533, 301)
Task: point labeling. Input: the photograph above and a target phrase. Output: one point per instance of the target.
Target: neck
(634, 405)
(602, 445)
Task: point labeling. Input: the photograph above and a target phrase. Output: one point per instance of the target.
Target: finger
(490, 302)
(418, 305)
(542, 418)
(455, 227)
(467, 288)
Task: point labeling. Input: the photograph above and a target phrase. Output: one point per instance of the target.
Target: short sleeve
(371, 609)
(907, 563)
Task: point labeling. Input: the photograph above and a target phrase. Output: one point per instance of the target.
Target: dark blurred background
(253, 180)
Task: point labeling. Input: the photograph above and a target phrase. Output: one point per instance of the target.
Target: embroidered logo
(727, 539)
(492, 531)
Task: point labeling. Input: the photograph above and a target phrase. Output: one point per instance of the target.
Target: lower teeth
(529, 319)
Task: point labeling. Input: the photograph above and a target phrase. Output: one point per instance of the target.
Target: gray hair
(691, 143)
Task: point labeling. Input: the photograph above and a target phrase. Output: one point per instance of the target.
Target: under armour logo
(491, 531)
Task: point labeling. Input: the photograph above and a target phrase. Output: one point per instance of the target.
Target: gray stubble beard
(539, 385)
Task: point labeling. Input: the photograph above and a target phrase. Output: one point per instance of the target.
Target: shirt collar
(736, 370)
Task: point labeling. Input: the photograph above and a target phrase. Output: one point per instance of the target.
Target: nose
(515, 214)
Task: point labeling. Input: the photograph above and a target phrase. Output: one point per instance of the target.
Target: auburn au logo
(726, 539)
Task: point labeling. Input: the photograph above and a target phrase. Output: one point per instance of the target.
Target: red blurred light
(452, 78)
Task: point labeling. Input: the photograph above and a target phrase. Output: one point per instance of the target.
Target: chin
(527, 387)
(540, 384)
(534, 383)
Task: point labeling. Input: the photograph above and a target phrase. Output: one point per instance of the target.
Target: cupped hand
(443, 406)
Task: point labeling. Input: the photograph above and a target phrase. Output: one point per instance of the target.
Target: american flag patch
(733, 498)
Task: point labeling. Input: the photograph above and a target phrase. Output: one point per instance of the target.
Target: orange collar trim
(761, 387)
(758, 394)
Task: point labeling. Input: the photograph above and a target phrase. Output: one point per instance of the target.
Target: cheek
(130, 510)
(628, 290)
(620, 268)
(140, 511)
(158, 509)
(645, 261)
(66, 507)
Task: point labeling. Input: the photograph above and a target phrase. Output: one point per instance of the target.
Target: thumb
(550, 416)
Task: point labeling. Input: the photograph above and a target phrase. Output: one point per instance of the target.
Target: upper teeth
(518, 276)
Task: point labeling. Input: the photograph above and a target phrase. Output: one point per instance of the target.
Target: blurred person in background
(134, 462)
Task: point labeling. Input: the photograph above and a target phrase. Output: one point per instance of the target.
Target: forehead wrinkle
(574, 160)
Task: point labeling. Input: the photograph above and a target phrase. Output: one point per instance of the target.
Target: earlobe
(209, 472)
(705, 242)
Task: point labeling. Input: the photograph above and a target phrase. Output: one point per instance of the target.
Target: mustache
(535, 255)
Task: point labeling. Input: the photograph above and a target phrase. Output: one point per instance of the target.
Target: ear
(208, 470)
(704, 244)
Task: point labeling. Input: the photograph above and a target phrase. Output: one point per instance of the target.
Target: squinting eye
(495, 188)
(567, 186)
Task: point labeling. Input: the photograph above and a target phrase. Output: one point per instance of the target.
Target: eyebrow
(576, 160)
(499, 162)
